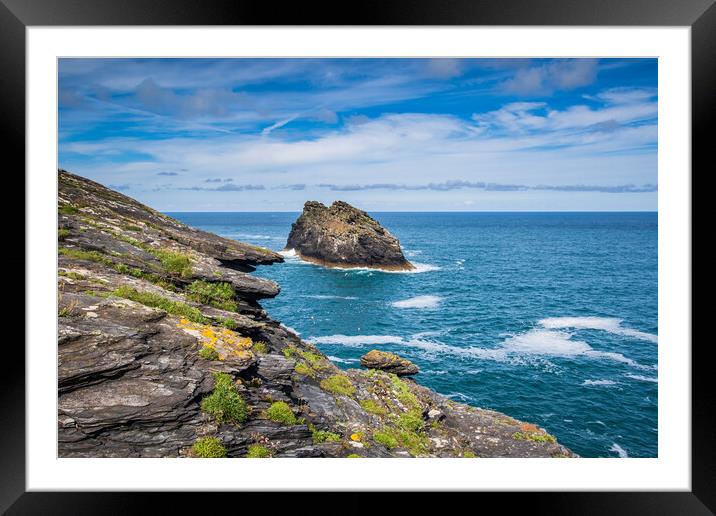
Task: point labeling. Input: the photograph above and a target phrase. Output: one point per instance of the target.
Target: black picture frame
(17, 15)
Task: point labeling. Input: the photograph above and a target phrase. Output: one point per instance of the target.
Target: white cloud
(551, 76)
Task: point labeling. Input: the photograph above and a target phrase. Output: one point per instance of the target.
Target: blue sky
(382, 134)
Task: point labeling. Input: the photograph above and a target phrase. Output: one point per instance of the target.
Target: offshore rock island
(344, 236)
(165, 351)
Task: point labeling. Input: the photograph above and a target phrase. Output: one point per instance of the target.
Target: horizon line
(424, 211)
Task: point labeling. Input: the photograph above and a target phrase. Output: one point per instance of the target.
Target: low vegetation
(62, 233)
(209, 448)
(258, 451)
(280, 412)
(158, 301)
(536, 437)
(225, 403)
(219, 295)
(323, 436)
(260, 347)
(338, 384)
(172, 261)
(68, 209)
(208, 353)
(373, 407)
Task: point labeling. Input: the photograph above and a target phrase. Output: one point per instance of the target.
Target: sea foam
(419, 302)
(619, 450)
(608, 324)
(599, 382)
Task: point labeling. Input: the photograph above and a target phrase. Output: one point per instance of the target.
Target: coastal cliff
(344, 236)
(165, 351)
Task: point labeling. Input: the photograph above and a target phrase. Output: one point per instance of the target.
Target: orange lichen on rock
(227, 343)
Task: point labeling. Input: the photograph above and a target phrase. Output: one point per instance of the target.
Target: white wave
(545, 342)
(290, 329)
(557, 343)
(419, 302)
(342, 360)
(320, 296)
(357, 340)
(533, 343)
(419, 267)
(254, 236)
(642, 378)
(608, 324)
(619, 450)
(411, 252)
(599, 382)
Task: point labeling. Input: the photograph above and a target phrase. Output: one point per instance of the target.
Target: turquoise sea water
(548, 317)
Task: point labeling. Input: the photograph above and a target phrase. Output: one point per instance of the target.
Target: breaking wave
(608, 324)
(419, 302)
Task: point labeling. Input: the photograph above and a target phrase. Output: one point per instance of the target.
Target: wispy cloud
(280, 130)
(547, 78)
(495, 187)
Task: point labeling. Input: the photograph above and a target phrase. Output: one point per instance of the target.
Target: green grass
(353, 456)
(386, 438)
(373, 407)
(209, 448)
(258, 451)
(260, 347)
(408, 432)
(228, 323)
(218, 295)
(157, 301)
(469, 454)
(68, 209)
(338, 384)
(536, 437)
(304, 369)
(62, 233)
(208, 353)
(225, 403)
(72, 275)
(323, 436)
(403, 392)
(80, 254)
(290, 351)
(172, 261)
(280, 412)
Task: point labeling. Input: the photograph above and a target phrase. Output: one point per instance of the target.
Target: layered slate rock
(389, 362)
(344, 236)
(143, 336)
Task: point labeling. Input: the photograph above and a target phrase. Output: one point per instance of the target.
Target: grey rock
(344, 236)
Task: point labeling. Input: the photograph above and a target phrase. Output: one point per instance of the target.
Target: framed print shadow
(359, 246)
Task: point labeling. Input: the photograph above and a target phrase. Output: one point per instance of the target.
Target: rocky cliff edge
(164, 351)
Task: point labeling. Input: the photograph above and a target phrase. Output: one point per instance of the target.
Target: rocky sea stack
(388, 362)
(344, 236)
(164, 351)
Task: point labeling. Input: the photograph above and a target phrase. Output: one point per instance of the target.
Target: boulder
(389, 362)
(344, 236)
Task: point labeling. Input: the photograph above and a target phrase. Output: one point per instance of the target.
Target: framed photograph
(451, 241)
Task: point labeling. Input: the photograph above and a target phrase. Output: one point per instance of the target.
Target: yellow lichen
(227, 343)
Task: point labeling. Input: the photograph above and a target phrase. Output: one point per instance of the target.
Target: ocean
(548, 317)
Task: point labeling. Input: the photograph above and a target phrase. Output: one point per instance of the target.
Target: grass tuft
(280, 412)
(225, 403)
(208, 353)
(218, 295)
(209, 448)
(338, 384)
(258, 451)
(157, 301)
